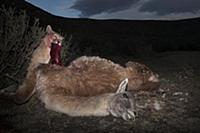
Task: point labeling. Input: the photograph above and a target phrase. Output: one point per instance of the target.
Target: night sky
(121, 9)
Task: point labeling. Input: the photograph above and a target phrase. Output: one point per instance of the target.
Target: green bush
(18, 38)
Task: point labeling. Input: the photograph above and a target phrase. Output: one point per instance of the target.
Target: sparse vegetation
(18, 38)
(69, 51)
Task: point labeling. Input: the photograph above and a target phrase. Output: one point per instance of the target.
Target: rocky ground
(174, 107)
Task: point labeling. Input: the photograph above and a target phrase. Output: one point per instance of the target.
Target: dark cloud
(164, 7)
(93, 7)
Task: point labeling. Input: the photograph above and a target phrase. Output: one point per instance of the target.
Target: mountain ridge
(120, 36)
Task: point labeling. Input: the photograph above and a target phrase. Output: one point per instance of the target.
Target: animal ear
(49, 29)
(123, 86)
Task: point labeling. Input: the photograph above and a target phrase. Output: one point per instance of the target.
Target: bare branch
(12, 78)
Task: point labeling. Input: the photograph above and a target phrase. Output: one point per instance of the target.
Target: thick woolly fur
(86, 86)
(64, 90)
(40, 55)
(91, 76)
(105, 74)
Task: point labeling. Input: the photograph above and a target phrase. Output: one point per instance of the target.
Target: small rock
(187, 94)
(163, 95)
(156, 105)
(181, 99)
(177, 93)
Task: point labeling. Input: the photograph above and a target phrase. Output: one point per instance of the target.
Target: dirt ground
(174, 107)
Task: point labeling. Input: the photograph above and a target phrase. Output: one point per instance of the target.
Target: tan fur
(105, 74)
(80, 77)
(86, 87)
(64, 100)
(40, 55)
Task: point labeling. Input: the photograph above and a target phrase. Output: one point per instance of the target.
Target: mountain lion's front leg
(23, 92)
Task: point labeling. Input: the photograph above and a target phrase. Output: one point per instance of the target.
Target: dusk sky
(121, 9)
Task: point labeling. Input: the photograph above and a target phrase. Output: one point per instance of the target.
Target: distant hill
(120, 37)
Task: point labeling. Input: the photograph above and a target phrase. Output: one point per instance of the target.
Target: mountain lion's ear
(49, 29)
(123, 86)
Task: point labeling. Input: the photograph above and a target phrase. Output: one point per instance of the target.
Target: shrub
(70, 50)
(18, 38)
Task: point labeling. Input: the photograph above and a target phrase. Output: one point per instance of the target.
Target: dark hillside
(121, 37)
